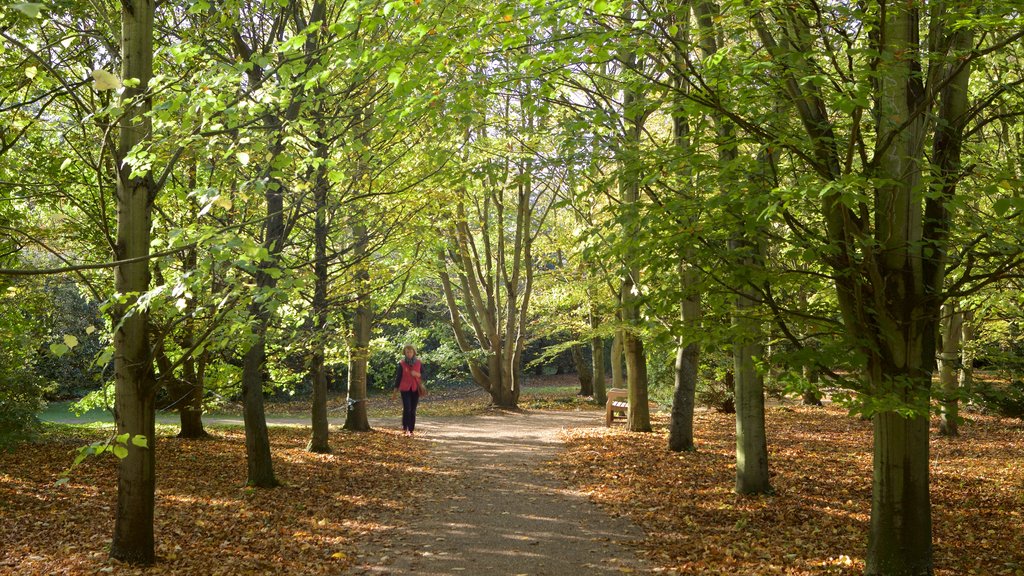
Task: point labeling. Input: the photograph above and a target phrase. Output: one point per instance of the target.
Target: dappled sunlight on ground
(817, 522)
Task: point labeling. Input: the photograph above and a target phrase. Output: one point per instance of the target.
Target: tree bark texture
(135, 385)
(319, 441)
(687, 365)
(951, 330)
(617, 367)
(357, 417)
(751, 440)
(597, 362)
(584, 370)
(639, 418)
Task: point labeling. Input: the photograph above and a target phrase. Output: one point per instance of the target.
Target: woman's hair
(409, 347)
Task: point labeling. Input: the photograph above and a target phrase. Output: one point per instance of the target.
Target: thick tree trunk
(193, 374)
(687, 365)
(584, 371)
(134, 384)
(597, 368)
(257, 437)
(135, 413)
(951, 330)
(900, 539)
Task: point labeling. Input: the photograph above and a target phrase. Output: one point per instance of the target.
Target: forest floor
(817, 520)
(539, 491)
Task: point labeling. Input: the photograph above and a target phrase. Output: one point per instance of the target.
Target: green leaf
(119, 451)
(140, 441)
(70, 341)
(395, 75)
(30, 9)
(59, 349)
(122, 438)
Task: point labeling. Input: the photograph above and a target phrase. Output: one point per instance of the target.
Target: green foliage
(21, 390)
(1006, 400)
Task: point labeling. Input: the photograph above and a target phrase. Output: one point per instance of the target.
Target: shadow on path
(495, 510)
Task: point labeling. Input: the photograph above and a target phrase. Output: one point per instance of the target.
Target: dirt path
(496, 510)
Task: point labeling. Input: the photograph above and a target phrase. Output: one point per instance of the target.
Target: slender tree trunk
(357, 417)
(951, 329)
(193, 371)
(584, 370)
(597, 357)
(687, 365)
(191, 412)
(967, 353)
(319, 441)
(617, 367)
(811, 396)
(639, 419)
(748, 348)
(751, 444)
(134, 384)
(687, 370)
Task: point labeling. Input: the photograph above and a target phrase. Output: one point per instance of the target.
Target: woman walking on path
(409, 382)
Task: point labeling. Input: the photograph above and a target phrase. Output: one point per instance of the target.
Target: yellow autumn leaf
(103, 80)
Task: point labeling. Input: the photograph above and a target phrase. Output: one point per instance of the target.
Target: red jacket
(405, 380)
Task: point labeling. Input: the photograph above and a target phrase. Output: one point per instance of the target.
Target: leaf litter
(817, 521)
(207, 520)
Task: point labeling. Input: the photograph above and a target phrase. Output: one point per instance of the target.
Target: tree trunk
(812, 395)
(134, 383)
(687, 369)
(900, 539)
(636, 374)
(191, 412)
(680, 432)
(639, 419)
(319, 441)
(951, 332)
(584, 370)
(751, 443)
(967, 353)
(687, 365)
(597, 364)
(257, 437)
(618, 372)
(357, 417)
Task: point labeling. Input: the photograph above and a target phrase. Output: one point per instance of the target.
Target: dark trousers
(410, 400)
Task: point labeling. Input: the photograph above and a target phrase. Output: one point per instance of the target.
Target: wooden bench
(617, 407)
